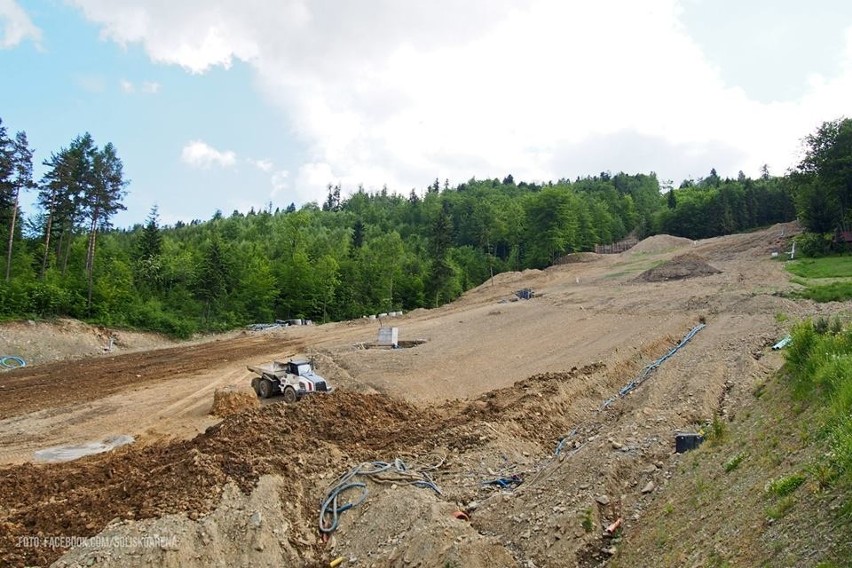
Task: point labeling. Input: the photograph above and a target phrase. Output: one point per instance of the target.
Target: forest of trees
(359, 253)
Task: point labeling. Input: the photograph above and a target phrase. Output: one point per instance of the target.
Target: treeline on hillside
(822, 188)
(359, 254)
(714, 206)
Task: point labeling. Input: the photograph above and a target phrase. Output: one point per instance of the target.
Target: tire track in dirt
(74, 382)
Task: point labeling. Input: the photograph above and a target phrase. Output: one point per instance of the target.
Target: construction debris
(11, 362)
(686, 441)
(525, 294)
(379, 472)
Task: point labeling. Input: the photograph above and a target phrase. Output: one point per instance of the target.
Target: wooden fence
(615, 248)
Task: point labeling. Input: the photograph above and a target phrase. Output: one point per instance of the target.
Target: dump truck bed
(276, 369)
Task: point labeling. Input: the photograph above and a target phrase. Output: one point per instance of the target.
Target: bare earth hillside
(497, 386)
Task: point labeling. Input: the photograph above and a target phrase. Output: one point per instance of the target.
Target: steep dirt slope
(39, 342)
(717, 510)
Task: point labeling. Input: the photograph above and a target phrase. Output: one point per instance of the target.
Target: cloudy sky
(226, 104)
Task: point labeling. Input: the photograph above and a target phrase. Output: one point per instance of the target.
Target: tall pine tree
(102, 201)
(22, 180)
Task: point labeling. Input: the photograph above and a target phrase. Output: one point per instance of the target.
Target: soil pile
(260, 529)
(679, 268)
(659, 244)
(298, 442)
(575, 257)
(306, 445)
(233, 399)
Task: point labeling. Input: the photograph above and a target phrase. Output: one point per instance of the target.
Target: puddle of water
(68, 453)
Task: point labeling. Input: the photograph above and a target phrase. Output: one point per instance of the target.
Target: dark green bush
(814, 244)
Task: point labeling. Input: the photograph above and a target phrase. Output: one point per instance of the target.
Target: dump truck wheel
(255, 385)
(290, 395)
(264, 388)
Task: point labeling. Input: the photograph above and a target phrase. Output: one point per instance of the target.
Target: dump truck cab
(308, 380)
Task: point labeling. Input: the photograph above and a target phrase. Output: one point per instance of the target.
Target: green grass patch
(812, 273)
(819, 360)
(835, 292)
(716, 432)
(734, 462)
(587, 522)
(781, 508)
(783, 486)
(826, 267)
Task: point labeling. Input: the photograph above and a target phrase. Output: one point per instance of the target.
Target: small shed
(843, 237)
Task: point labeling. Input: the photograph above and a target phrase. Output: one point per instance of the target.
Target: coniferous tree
(214, 274)
(22, 163)
(358, 234)
(442, 239)
(7, 168)
(148, 263)
(7, 182)
(671, 199)
(102, 200)
(60, 194)
(151, 239)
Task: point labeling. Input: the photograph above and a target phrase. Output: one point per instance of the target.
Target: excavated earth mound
(295, 441)
(575, 257)
(299, 444)
(660, 243)
(679, 268)
(233, 399)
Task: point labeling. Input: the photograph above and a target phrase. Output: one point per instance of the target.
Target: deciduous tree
(823, 179)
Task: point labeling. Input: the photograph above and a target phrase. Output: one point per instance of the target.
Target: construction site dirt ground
(496, 384)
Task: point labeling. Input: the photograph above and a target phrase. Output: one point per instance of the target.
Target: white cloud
(199, 154)
(393, 92)
(16, 25)
(150, 87)
(196, 35)
(280, 182)
(147, 87)
(262, 165)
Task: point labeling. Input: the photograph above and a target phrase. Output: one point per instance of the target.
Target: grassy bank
(771, 486)
(819, 362)
(827, 279)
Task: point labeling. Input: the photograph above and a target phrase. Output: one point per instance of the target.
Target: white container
(389, 336)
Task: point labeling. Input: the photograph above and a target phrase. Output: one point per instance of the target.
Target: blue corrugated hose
(16, 362)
